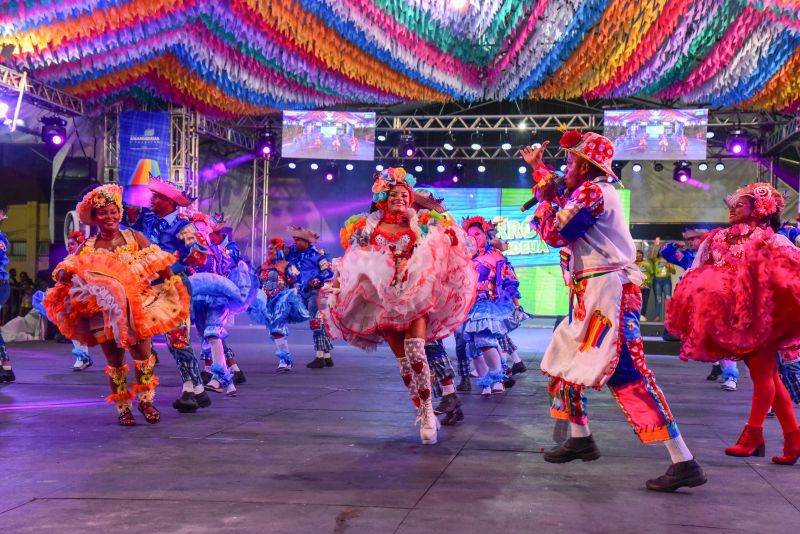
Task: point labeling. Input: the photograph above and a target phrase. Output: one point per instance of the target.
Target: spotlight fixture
(476, 141)
(458, 173)
(737, 143)
(314, 166)
(636, 167)
(522, 169)
(379, 167)
(349, 166)
(719, 166)
(481, 168)
(381, 137)
(506, 145)
(682, 172)
(563, 167)
(658, 166)
(292, 165)
(331, 172)
(54, 131)
(710, 134)
(521, 124)
(702, 166)
(440, 167)
(418, 168)
(450, 142)
(408, 148)
(266, 144)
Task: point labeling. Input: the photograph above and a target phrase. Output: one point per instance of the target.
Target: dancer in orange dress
(104, 296)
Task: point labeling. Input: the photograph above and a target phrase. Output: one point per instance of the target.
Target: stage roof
(232, 58)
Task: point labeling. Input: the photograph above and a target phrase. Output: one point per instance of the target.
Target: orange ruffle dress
(109, 297)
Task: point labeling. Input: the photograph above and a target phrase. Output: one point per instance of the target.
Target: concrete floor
(335, 450)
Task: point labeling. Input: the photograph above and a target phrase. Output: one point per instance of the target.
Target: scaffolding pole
(260, 209)
(184, 152)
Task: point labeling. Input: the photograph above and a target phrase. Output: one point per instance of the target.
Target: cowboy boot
(791, 449)
(750, 443)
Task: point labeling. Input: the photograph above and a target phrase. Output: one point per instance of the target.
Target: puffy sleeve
(507, 279)
(233, 251)
(703, 252)
(677, 256)
(559, 226)
(791, 233)
(192, 248)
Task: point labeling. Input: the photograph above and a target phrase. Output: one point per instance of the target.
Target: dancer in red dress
(741, 300)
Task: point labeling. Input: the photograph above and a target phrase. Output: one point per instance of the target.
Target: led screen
(328, 135)
(657, 134)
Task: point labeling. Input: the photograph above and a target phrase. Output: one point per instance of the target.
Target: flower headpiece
(97, 198)
(766, 199)
(388, 178)
(276, 242)
(477, 220)
(78, 236)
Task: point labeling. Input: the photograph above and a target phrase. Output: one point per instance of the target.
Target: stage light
(682, 172)
(658, 167)
(636, 167)
(266, 144)
(710, 134)
(448, 146)
(331, 172)
(563, 167)
(418, 168)
(521, 124)
(476, 141)
(292, 165)
(719, 166)
(408, 148)
(522, 169)
(458, 173)
(506, 146)
(349, 166)
(379, 167)
(481, 168)
(54, 131)
(703, 166)
(737, 143)
(381, 137)
(440, 168)
(314, 166)
(450, 142)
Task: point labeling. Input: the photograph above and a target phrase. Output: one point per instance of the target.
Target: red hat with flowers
(593, 147)
(767, 200)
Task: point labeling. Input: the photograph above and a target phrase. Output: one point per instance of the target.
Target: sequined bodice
(400, 244)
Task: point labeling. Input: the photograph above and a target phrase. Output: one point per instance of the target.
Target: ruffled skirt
(111, 300)
(439, 285)
(494, 318)
(286, 307)
(732, 311)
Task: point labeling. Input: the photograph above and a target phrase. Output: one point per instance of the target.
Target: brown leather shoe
(573, 449)
(688, 474)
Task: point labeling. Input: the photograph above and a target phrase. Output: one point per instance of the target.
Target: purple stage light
(737, 148)
(329, 176)
(455, 179)
(57, 140)
(266, 150)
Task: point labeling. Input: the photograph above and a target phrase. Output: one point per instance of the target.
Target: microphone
(529, 204)
(556, 179)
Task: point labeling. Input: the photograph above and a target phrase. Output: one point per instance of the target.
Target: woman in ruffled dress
(104, 296)
(741, 299)
(405, 278)
(496, 311)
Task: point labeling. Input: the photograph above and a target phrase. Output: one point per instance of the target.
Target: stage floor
(335, 450)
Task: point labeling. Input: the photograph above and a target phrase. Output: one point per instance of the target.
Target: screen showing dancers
(329, 135)
(657, 134)
(537, 265)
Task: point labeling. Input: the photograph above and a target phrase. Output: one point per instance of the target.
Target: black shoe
(206, 376)
(328, 362)
(465, 385)
(688, 474)
(187, 403)
(203, 400)
(7, 376)
(509, 382)
(573, 449)
(453, 417)
(716, 371)
(518, 368)
(447, 404)
(239, 378)
(318, 363)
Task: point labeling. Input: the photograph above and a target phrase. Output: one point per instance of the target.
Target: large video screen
(657, 134)
(537, 264)
(328, 135)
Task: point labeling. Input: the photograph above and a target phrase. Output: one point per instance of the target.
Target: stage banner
(144, 145)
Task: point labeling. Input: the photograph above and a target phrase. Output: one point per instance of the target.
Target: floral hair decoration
(77, 236)
(98, 198)
(388, 178)
(766, 199)
(477, 220)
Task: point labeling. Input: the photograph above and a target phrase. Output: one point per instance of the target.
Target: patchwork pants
(632, 384)
(439, 364)
(322, 343)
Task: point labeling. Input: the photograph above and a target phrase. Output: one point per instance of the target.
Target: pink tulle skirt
(439, 285)
(732, 311)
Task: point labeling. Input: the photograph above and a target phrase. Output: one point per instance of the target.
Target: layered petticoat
(216, 297)
(732, 310)
(438, 283)
(109, 297)
(494, 318)
(286, 307)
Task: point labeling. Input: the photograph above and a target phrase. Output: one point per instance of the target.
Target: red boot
(791, 449)
(750, 443)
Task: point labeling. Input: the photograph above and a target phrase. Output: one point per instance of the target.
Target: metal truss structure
(40, 94)
(111, 145)
(222, 132)
(259, 208)
(781, 136)
(184, 151)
